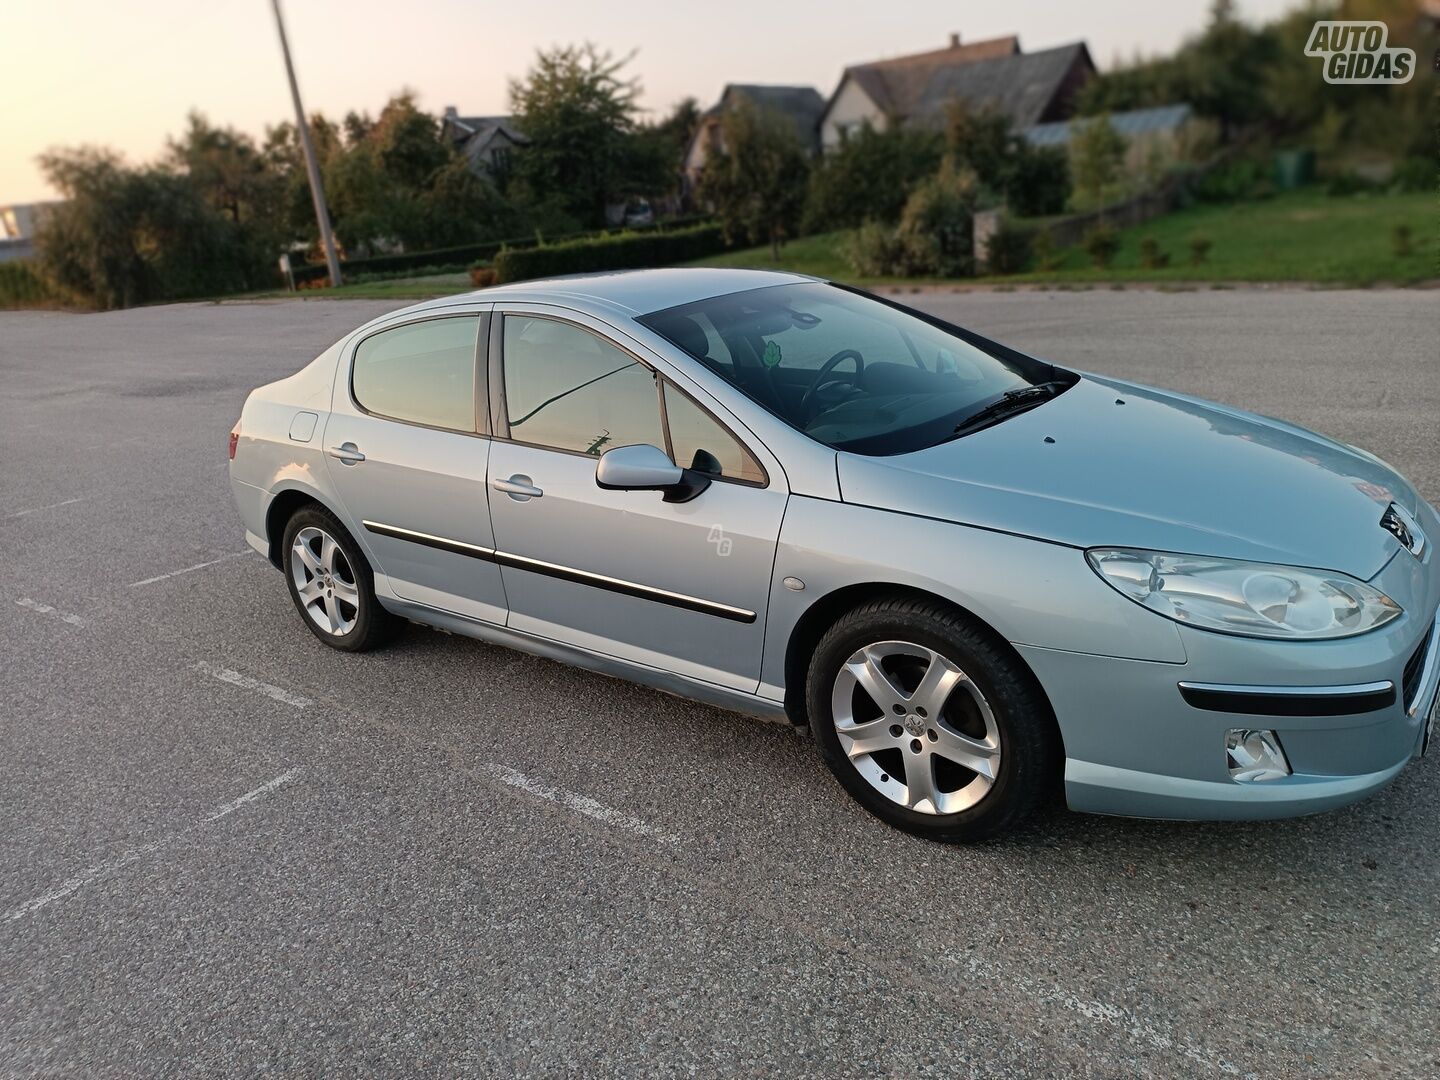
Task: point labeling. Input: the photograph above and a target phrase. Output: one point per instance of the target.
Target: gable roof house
(801, 105)
(486, 141)
(1031, 88)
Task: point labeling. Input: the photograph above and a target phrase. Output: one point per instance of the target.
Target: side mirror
(647, 468)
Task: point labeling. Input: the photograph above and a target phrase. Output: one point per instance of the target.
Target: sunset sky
(125, 75)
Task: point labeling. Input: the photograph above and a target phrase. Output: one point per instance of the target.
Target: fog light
(1255, 755)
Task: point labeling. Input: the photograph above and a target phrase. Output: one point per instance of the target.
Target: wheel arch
(830, 608)
(282, 508)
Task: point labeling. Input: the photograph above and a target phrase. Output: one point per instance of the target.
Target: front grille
(1414, 668)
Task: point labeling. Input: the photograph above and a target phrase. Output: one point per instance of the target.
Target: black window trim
(500, 413)
(480, 426)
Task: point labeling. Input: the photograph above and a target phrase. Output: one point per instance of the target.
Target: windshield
(849, 370)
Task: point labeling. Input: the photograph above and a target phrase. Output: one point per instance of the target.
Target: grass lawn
(410, 288)
(1302, 236)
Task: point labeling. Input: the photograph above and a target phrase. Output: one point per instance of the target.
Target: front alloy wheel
(916, 727)
(930, 721)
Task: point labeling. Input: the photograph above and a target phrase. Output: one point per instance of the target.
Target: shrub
(1042, 247)
(874, 250)
(1102, 243)
(868, 176)
(1400, 238)
(620, 251)
(1350, 183)
(1039, 181)
(1234, 181)
(21, 286)
(1200, 245)
(1415, 174)
(937, 225)
(1008, 249)
(1151, 257)
(482, 276)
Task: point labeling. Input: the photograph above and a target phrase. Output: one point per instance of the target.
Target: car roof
(628, 292)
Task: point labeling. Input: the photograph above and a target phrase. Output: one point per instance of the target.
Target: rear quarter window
(422, 373)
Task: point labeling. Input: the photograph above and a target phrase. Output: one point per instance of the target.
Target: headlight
(1251, 599)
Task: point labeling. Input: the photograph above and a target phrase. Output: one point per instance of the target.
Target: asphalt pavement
(227, 850)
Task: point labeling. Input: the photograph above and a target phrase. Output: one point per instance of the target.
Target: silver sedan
(978, 577)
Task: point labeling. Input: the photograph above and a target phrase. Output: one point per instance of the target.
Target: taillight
(234, 439)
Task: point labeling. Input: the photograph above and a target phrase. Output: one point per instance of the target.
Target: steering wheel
(807, 403)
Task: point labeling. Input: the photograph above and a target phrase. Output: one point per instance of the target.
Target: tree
(868, 176)
(756, 178)
(1031, 180)
(127, 236)
(578, 114)
(1096, 153)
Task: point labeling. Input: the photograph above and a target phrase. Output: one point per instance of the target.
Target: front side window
(569, 389)
(697, 441)
(848, 370)
(423, 373)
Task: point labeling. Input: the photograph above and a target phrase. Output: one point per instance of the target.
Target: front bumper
(1136, 747)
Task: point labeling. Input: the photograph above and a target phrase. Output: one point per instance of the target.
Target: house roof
(987, 73)
(479, 130)
(802, 105)
(1165, 118)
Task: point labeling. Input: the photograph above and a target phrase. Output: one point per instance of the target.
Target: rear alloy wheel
(332, 585)
(929, 722)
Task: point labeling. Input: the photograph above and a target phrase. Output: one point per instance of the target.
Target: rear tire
(930, 722)
(332, 585)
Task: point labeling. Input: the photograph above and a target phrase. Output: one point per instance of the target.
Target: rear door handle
(518, 487)
(348, 453)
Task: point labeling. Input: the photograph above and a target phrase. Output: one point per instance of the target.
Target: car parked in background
(977, 576)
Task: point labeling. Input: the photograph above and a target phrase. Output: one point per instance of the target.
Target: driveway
(227, 850)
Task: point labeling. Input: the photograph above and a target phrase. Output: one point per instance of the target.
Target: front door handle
(348, 453)
(518, 487)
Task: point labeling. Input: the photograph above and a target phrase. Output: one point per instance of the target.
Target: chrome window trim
(567, 573)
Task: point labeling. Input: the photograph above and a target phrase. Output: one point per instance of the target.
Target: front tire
(929, 722)
(332, 585)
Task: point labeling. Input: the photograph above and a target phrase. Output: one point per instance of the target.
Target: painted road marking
(51, 506)
(245, 682)
(1134, 1026)
(581, 804)
(190, 569)
(46, 609)
(84, 877)
(259, 793)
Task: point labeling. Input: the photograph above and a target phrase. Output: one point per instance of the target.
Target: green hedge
(20, 285)
(622, 251)
(452, 258)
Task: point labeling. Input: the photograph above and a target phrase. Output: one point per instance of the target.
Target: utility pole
(312, 167)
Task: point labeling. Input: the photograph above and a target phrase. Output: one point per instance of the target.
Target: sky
(96, 72)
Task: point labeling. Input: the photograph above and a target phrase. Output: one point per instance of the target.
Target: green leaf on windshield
(772, 355)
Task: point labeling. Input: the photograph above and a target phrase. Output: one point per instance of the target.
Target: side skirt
(664, 681)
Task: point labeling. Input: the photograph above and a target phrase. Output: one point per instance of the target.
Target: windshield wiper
(1008, 404)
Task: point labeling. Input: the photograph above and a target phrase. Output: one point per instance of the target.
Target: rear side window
(570, 389)
(423, 373)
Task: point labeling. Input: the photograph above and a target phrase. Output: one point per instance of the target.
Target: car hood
(1161, 471)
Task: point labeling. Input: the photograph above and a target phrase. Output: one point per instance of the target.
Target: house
(917, 90)
(1166, 132)
(801, 105)
(485, 141)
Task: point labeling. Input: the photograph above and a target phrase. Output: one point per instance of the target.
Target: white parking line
(245, 682)
(84, 877)
(1134, 1026)
(46, 609)
(190, 569)
(250, 796)
(581, 804)
(51, 506)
